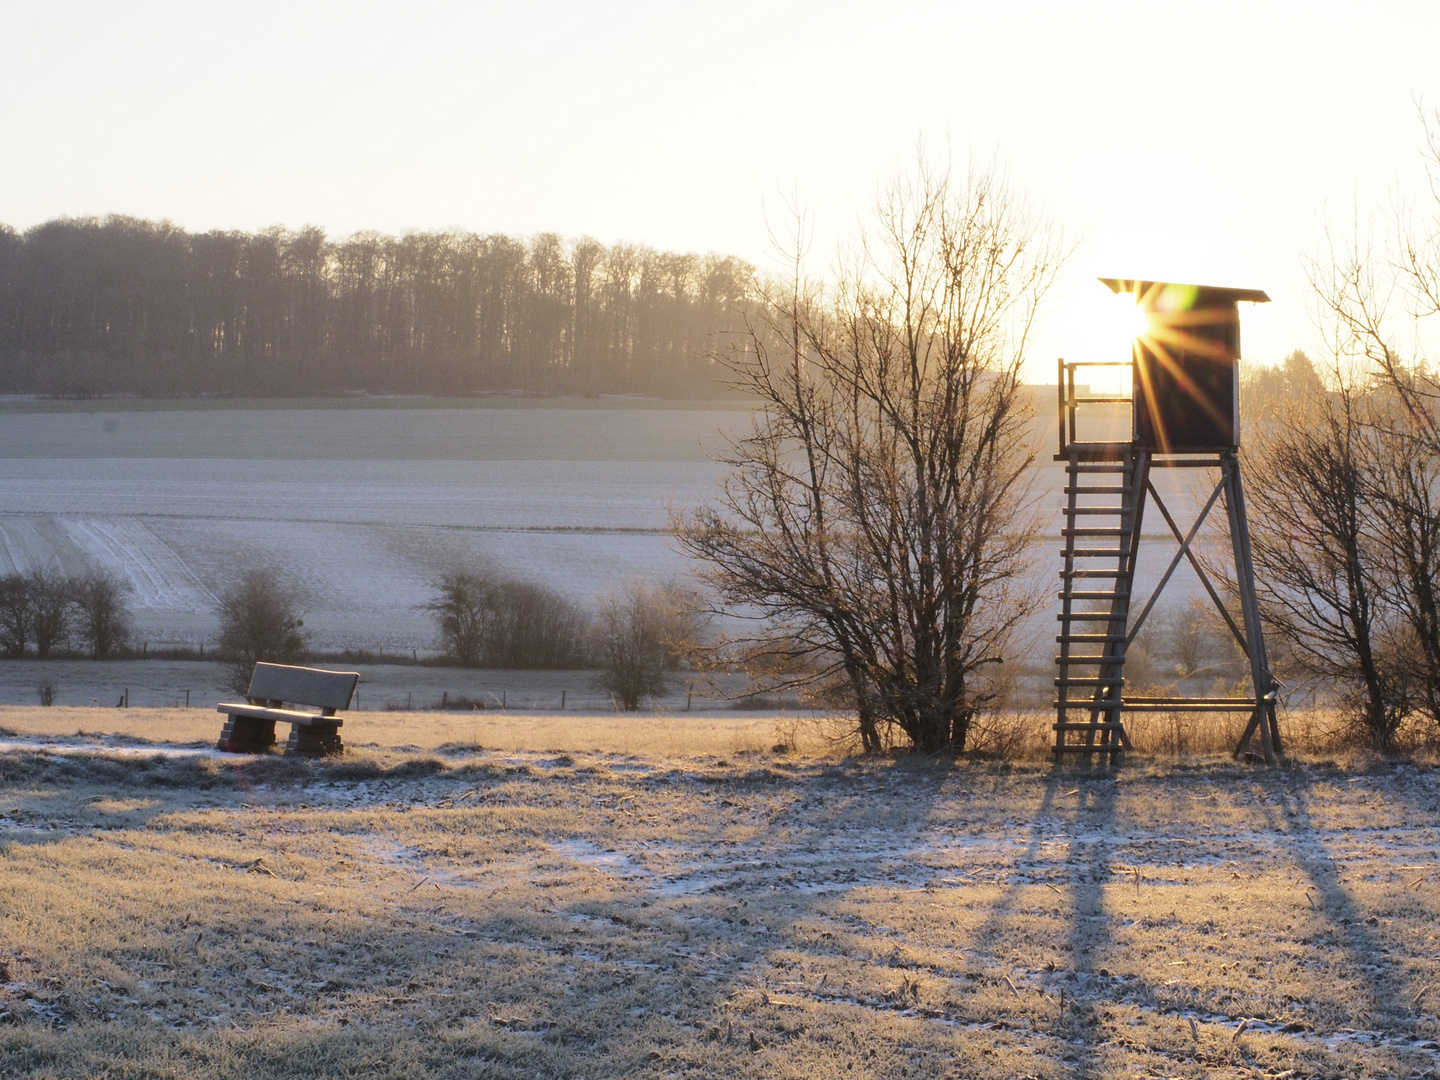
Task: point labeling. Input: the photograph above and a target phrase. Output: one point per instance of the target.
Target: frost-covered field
(362, 506)
(365, 506)
(620, 904)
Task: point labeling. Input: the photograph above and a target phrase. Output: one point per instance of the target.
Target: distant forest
(120, 305)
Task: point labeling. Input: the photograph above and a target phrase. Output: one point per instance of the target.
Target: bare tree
(876, 523)
(16, 627)
(260, 620)
(49, 595)
(1369, 297)
(34, 608)
(1320, 573)
(1404, 493)
(103, 623)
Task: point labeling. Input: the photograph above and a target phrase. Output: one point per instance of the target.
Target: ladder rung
(1092, 573)
(1115, 681)
(1113, 725)
(1188, 706)
(1095, 511)
(1097, 531)
(1152, 704)
(1095, 594)
(1066, 661)
(1094, 489)
(1088, 639)
(1091, 616)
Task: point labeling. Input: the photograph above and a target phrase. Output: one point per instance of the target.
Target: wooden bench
(251, 725)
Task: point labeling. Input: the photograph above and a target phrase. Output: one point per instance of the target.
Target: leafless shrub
(260, 620)
(1008, 734)
(641, 634)
(533, 627)
(1192, 641)
(492, 622)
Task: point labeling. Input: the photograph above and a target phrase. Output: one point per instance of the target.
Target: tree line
(55, 614)
(94, 306)
(634, 636)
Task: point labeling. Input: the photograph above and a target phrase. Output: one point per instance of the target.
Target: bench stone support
(315, 739)
(247, 735)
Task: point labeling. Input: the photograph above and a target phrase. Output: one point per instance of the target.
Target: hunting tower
(1185, 414)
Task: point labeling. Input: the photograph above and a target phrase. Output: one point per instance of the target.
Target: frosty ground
(361, 507)
(546, 898)
(364, 506)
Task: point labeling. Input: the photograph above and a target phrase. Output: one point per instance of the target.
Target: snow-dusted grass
(577, 910)
(662, 734)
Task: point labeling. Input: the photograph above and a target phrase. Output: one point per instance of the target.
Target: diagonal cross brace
(1185, 552)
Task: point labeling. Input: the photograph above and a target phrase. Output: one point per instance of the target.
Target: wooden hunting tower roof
(1198, 296)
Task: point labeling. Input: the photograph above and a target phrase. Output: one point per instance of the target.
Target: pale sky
(1200, 142)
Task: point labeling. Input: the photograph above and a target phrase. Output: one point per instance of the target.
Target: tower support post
(1262, 719)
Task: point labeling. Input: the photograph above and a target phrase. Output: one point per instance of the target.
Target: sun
(1114, 325)
(1131, 320)
(1119, 320)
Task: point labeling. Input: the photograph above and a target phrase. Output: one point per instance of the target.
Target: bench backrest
(302, 685)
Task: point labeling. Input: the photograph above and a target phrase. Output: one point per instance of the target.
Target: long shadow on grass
(999, 923)
(736, 922)
(1361, 942)
(526, 975)
(1074, 1017)
(993, 937)
(1089, 930)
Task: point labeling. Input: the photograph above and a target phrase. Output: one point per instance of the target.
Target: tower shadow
(1360, 941)
(1091, 857)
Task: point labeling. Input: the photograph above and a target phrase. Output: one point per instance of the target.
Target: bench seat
(288, 716)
